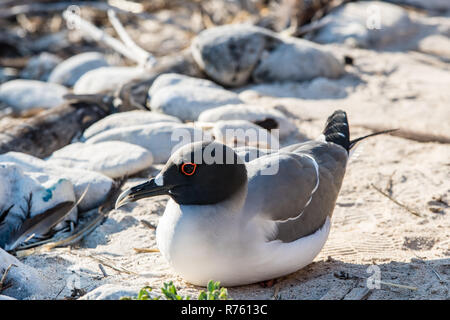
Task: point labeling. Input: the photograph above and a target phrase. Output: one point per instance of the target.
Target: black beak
(144, 190)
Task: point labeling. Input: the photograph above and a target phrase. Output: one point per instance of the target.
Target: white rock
(16, 186)
(250, 113)
(366, 24)
(232, 54)
(70, 70)
(110, 292)
(443, 5)
(112, 158)
(435, 44)
(27, 94)
(228, 54)
(236, 133)
(170, 79)
(39, 67)
(126, 119)
(106, 79)
(25, 281)
(297, 60)
(99, 184)
(187, 102)
(161, 139)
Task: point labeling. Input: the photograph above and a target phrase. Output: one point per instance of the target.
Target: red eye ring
(183, 170)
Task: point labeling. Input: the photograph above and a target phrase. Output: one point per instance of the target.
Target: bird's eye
(188, 168)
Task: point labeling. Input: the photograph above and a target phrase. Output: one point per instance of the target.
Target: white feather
(226, 248)
(159, 180)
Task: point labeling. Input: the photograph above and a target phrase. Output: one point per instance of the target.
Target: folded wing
(297, 187)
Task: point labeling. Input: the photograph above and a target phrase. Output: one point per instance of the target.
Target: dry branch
(111, 265)
(143, 57)
(100, 266)
(88, 29)
(396, 201)
(5, 274)
(50, 130)
(148, 224)
(146, 250)
(396, 285)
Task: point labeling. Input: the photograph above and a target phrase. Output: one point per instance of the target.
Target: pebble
(186, 102)
(70, 70)
(111, 292)
(106, 79)
(126, 119)
(250, 113)
(229, 54)
(23, 95)
(114, 159)
(438, 45)
(297, 60)
(161, 139)
(25, 281)
(99, 184)
(170, 79)
(237, 133)
(39, 67)
(366, 24)
(435, 5)
(28, 194)
(233, 55)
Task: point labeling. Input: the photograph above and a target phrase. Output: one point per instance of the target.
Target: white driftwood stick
(101, 36)
(37, 8)
(146, 59)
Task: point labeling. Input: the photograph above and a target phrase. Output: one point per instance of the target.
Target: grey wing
(249, 153)
(280, 185)
(303, 192)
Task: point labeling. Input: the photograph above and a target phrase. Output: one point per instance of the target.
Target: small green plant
(169, 291)
(214, 292)
(144, 294)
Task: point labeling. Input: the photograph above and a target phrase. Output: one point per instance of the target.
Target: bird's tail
(337, 131)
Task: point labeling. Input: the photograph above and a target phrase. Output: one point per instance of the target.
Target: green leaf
(210, 286)
(169, 291)
(202, 295)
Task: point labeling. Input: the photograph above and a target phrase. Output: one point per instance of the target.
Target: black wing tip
(337, 130)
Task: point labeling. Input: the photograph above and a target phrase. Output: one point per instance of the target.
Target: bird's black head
(198, 173)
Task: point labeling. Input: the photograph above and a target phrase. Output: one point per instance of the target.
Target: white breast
(203, 243)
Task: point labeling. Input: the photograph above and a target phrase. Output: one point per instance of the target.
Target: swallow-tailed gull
(243, 222)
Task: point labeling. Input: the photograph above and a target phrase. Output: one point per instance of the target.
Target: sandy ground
(389, 89)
